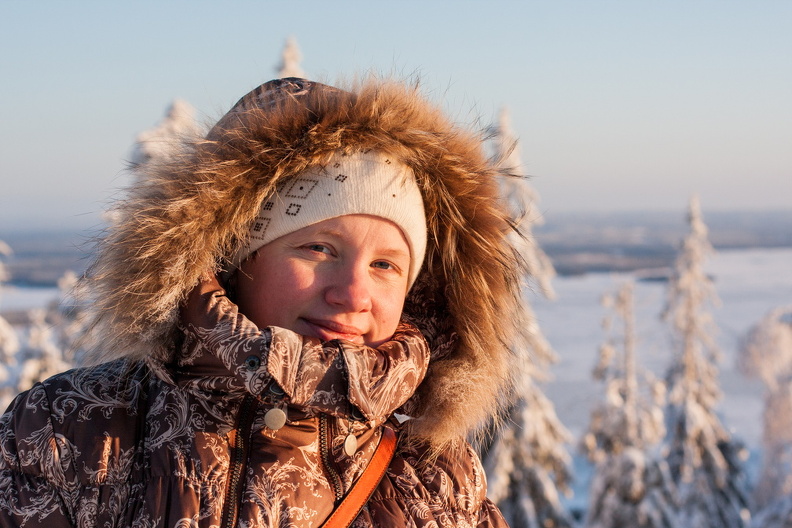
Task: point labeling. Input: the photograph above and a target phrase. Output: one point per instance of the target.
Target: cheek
(390, 312)
(255, 294)
(252, 298)
(275, 296)
(294, 283)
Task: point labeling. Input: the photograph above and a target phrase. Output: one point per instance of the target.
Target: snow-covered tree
(167, 136)
(40, 357)
(706, 463)
(290, 60)
(5, 251)
(50, 332)
(158, 143)
(766, 353)
(630, 487)
(776, 515)
(527, 460)
(632, 490)
(628, 417)
(70, 316)
(766, 350)
(9, 346)
(9, 342)
(523, 203)
(527, 463)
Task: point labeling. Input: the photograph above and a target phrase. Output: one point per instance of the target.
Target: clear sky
(618, 105)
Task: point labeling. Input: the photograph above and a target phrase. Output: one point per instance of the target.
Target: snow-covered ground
(13, 298)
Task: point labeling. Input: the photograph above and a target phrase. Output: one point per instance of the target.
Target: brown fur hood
(189, 213)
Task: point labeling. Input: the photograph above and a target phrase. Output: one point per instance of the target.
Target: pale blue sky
(618, 105)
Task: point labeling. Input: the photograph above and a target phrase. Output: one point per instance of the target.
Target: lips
(327, 330)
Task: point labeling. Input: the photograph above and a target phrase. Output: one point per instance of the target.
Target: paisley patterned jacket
(185, 442)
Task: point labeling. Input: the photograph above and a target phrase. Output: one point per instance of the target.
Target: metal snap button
(350, 445)
(356, 415)
(275, 418)
(252, 362)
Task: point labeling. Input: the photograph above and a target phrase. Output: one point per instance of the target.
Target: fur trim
(190, 213)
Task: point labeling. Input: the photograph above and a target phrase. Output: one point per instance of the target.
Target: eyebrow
(388, 252)
(395, 252)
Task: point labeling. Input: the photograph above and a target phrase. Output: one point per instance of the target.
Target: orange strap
(361, 490)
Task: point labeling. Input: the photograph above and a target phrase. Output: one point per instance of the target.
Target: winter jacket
(176, 433)
(150, 444)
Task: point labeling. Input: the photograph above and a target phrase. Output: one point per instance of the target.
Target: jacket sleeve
(32, 485)
(334, 377)
(490, 516)
(468, 502)
(426, 487)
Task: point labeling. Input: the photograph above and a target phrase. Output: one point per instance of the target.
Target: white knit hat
(365, 182)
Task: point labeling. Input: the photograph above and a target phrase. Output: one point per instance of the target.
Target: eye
(318, 248)
(384, 265)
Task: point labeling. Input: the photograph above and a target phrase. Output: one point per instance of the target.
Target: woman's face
(342, 278)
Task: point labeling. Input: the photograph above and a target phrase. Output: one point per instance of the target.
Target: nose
(350, 289)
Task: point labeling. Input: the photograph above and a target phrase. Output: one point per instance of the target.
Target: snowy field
(14, 298)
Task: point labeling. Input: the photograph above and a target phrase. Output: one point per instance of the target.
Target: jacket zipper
(324, 449)
(238, 462)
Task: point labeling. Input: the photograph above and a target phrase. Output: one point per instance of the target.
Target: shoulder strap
(364, 486)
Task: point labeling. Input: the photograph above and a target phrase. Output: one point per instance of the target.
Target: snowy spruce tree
(165, 138)
(527, 461)
(706, 463)
(631, 487)
(766, 353)
(159, 143)
(9, 342)
(9, 346)
(40, 357)
(5, 252)
(45, 339)
(290, 60)
(70, 315)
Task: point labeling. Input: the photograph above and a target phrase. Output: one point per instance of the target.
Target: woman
(271, 301)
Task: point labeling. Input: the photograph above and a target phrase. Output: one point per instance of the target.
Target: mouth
(327, 330)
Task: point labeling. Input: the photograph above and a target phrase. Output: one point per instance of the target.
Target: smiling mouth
(329, 330)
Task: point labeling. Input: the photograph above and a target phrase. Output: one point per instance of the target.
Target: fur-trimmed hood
(189, 213)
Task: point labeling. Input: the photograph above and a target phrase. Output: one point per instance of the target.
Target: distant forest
(576, 242)
(589, 242)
